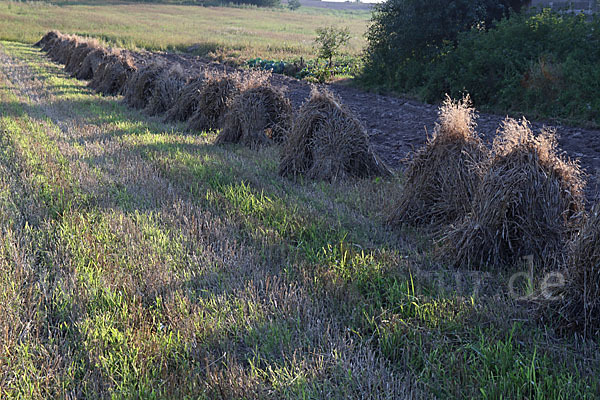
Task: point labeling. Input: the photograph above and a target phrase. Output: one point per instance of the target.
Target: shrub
(405, 34)
(546, 65)
(294, 4)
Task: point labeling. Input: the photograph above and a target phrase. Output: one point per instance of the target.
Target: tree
(294, 4)
(330, 39)
(416, 31)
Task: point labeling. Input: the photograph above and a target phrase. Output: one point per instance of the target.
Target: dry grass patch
(327, 142)
(442, 177)
(216, 97)
(259, 114)
(526, 205)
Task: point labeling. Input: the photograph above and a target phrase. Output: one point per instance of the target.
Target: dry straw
(79, 54)
(138, 88)
(91, 63)
(51, 35)
(187, 101)
(61, 51)
(258, 115)
(112, 73)
(579, 307)
(216, 97)
(327, 142)
(165, 90)
(527, 204)
(443, 176)
(51, 42)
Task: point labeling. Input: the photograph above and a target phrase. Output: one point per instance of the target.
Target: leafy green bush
(311, 70)
(407, 33)
(294, 4)
(545, 65)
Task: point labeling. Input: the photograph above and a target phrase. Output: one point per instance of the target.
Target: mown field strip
(146, 272)
(141, 261)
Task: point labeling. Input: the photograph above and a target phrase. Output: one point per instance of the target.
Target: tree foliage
(407, 31)
(330, 40)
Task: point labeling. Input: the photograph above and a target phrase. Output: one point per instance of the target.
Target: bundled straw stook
(216, 97)
(258, 115)
(52, 41)
(112, 74)
(578, 309)
(443, 176)
(91, 63)
(327, 142)
(165, 90)
(62, 50)
(187, 101)
(138, 89)
(51, 35)
(528, 202)
(79, 54)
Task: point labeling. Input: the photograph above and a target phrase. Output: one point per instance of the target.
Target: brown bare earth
(398, 125)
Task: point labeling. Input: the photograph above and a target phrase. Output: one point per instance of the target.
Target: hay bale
(112, 74)
(47, 37)
(327, 142)
(138, 88)
(443, 175)
(259, 114)
(527, 203)
(186, 103)
(216, 97)
(579, 307)
(165, 90)
(91, 63)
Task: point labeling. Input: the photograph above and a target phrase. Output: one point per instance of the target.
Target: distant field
(232, 32)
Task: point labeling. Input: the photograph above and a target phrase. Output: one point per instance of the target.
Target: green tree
(330, 40)
(406, 34)
(294, 4)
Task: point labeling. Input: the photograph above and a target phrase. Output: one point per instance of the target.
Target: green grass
(141, 261)
(225, 32)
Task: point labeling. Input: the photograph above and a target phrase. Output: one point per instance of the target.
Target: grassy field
(225, 31)
(141, 261)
